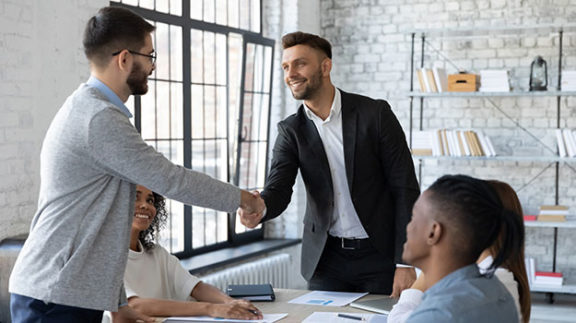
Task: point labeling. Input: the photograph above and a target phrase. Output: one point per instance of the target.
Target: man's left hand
(404, 277)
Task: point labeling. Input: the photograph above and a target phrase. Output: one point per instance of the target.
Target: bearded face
(138, 79)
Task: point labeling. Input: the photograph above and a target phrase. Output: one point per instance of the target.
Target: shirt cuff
(403, 266)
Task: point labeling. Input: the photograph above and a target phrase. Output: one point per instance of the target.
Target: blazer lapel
(349, 129)
(310, 134)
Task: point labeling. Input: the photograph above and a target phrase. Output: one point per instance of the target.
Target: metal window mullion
(187, 115)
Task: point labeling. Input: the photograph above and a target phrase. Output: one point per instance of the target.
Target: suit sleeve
(398, 166)
(277, 192)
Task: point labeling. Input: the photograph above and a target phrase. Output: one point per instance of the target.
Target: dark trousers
(353, 266)
(25, 309)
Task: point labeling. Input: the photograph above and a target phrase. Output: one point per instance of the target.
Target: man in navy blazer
(358, 172)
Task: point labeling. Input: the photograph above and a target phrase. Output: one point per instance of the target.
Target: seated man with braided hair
(452, 223)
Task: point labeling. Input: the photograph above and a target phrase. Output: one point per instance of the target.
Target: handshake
(251, 209)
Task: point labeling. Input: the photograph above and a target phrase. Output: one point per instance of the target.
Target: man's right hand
(251, 217)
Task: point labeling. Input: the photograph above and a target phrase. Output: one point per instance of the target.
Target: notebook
(252, 292)
(381, 305)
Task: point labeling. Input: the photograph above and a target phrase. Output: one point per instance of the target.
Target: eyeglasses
(151, 57)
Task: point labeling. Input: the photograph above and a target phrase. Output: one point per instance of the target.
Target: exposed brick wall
(42, 63)
(372, 56)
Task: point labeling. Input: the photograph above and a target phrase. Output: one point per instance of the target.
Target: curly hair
(148, 237)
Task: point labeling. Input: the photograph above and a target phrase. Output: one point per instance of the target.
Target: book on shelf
(548, 279)
(252, 292)
(440, 78)
(494, 81)
(530, 264)
(431, 81)
(445, 142)
(566, 140)
(528, 218)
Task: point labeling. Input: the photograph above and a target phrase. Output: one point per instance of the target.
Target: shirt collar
(104, 89)
(334, 110)
(462, 274)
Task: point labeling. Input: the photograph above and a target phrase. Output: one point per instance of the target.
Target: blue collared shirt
(96, 83)
(466, 296)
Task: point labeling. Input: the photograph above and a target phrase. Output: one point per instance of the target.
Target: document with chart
(323, 298)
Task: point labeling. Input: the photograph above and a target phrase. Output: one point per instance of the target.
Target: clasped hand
(252, 211)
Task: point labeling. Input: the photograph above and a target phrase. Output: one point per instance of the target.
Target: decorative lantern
(538, 74)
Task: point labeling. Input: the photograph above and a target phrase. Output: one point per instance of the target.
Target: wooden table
(299, 312)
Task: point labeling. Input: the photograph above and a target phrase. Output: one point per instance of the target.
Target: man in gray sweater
(71, 266)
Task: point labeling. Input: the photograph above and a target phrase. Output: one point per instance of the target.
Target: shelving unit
(552, 159)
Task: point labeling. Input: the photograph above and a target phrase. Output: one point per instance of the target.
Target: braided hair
(473, 208)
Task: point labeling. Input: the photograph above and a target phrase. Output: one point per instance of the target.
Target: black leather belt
(349, 244)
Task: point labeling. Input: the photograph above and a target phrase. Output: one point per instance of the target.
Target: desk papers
(333, 317)
(268, 318)
(323, 298)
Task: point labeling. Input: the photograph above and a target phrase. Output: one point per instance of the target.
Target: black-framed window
(207, 107)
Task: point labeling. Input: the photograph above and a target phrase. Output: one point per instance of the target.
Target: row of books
(549, 213)
(432, 79)
(566, 140)
(444, 142)
(542, 278)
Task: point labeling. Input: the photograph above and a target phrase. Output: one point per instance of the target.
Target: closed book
(551, 218)
(530, 217)
(252, 292)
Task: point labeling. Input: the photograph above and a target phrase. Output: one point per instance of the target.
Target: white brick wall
(362, 36)
(42, 63)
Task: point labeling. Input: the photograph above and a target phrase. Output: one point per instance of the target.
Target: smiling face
(304, 70)
(144, 210)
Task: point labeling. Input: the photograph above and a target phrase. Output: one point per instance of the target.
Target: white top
(157, 274)
(345, 221)
(411, 298)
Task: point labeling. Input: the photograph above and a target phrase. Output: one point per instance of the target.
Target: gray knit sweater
(91, 159)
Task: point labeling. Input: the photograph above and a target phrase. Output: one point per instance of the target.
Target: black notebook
(254, 292)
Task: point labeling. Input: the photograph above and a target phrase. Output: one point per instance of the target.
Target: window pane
(196, 9)
(197, 112)
(244, 13)
(176, 53)
(162, 36)
(233, 13)
(176, 7)
(220, 59)
(255, 16)
(221, 12)
(197, 55)
(250, 61)
(163, 6)
(172, 235)
(148, 4)
(148, 118)
(209, 14)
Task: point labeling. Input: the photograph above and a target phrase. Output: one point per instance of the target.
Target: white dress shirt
(345, 221)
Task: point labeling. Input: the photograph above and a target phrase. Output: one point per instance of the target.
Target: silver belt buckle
(344, 246)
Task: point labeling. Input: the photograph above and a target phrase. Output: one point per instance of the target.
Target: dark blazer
(379, 168)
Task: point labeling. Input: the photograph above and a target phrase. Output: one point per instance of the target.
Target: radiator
(274, 270)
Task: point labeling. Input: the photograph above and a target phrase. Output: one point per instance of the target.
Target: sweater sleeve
(118, 148)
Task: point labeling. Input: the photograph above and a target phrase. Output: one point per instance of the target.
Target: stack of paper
(568, 81)
(494, 81)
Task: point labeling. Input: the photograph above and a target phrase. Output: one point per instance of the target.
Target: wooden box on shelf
(462, 82)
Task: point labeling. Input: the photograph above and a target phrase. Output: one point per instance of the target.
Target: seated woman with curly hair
(157, 285)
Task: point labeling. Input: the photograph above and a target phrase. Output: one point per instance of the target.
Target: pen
(352, 317)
